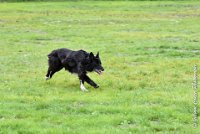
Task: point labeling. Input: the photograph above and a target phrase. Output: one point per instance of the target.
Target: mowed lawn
(148, 50)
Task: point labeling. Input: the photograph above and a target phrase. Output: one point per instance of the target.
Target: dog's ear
(97, 56)
(91, 55)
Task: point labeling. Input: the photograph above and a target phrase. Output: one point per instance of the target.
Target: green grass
(148, 50)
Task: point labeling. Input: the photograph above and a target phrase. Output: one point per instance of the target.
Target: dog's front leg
(81, 78)
(91, 82)
(82, 86)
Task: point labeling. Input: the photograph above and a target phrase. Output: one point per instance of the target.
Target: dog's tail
(52, 54)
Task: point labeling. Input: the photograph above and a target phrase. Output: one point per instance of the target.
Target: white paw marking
(82, 87)
(47, 78)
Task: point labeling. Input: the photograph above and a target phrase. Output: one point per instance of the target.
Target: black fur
(79, 62)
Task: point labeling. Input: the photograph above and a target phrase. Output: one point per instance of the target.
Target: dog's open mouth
(98, 71)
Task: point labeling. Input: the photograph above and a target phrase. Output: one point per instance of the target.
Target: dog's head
(95, 63)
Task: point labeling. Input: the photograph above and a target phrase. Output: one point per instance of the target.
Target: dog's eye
(98, 61)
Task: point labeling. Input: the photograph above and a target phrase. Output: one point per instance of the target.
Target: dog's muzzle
(98, 71)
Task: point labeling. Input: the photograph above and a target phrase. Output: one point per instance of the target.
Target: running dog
(79, 62)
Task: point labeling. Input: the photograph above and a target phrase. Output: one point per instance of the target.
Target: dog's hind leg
(54, 66)
(52, 71)
(48, 74)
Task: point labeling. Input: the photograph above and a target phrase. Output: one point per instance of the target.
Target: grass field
(148, 50)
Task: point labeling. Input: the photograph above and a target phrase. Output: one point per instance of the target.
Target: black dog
(79, 62)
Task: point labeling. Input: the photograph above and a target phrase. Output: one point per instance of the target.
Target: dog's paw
(83, 88)
(47, 78)
(97, 86)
